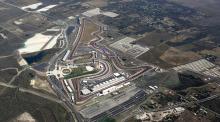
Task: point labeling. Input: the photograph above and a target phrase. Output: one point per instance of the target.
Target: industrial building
(201, 66)
(108, 83)
(66, 55)
(112, 89)
(105, 85)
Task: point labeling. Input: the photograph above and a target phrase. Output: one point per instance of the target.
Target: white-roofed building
(107, 84)
(201, 66)
(116, 74)
(85, 91)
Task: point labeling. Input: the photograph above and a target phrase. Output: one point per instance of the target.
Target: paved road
(68, 103)
(78, 38)
(112, 56)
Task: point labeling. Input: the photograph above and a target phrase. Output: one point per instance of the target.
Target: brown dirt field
(179, 38)
(215, 51)
(23, 2)
(42, 85)
(98, 3)
(89, 29)
(153, 56)
(176, 57)
(154, 38)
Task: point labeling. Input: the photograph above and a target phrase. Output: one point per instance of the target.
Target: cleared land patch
(97, 11)
(90, 27)
(39, 42)
(98, 3)
(176, 57)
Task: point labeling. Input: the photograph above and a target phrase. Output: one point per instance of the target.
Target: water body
(41, 67)
(70, 30)
(35, 58)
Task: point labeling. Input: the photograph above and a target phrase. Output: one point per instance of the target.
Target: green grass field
(80, 71)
